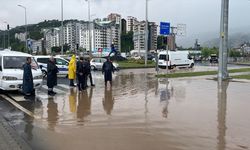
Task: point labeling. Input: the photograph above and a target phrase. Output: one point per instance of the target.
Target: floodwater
(141, 112)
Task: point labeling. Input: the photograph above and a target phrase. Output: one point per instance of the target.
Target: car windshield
(163, 57)
(17, 62)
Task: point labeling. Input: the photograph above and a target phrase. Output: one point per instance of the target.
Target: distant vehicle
(96, 64)
(61, 63)
(175, 59)
(11, 70)
(213, 58)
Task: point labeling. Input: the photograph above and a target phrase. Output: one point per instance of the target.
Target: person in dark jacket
(52, 71)
(88, 73)
(107, 69)
(28, 86)
(80, 71)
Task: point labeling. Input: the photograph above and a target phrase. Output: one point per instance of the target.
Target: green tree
(206, 52)
(127, 42)
(160, 42)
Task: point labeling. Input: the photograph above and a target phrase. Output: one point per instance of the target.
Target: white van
(11, 70)
(61, 63)
(175, 59)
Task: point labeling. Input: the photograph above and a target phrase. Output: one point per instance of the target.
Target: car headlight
(9, 78)
(38, 77)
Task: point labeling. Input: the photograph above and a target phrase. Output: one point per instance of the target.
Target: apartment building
(139, 35)
(131, 21)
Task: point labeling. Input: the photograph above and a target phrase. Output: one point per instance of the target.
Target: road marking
(55, 89)
(19, 98)
(64, 86)
(20, 107)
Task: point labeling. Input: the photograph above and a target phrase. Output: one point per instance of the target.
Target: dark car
(213, 59)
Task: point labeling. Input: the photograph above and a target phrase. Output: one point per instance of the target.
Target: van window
(61, 62)
(43, 60)
(17, 62)
(163, 57)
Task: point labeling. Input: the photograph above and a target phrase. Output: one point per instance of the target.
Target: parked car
(213, 58)
(61, 63)
(11, 70)
(96, 64)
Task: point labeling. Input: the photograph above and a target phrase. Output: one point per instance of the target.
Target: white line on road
(55, 89)
(20, 107)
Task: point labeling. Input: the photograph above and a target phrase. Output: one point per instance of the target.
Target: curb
(9, 139)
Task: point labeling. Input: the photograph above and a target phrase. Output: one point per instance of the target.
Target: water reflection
(108, 100)
(166, 92)
(72, 100)
(30, 105)
(84, 105)
(52, 111)
(221, 116)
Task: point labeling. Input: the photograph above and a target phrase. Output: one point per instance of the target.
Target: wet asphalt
(138, 112)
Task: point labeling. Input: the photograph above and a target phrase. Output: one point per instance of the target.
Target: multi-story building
(131, 21)
(52, 38)
(139, 35)
(20, 36)
(115, 17)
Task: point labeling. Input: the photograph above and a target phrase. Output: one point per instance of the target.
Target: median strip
(202, 73)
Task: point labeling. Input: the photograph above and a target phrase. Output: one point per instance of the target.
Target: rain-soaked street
(140, 112)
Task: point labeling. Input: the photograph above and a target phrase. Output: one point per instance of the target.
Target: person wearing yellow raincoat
(72, 70)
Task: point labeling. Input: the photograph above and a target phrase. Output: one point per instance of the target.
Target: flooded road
(139, 112)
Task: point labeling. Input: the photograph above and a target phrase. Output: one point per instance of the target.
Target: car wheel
(44, 73)
(92, 67)
(192, 65)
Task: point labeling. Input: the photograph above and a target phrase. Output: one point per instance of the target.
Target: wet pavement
(139, 112)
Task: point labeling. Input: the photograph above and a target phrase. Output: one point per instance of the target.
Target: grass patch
(135, 64)
(203, 73)
(246, 76)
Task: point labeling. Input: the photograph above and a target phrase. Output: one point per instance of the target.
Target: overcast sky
(200, 16)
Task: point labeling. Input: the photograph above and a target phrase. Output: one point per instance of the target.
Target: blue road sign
(164, 28)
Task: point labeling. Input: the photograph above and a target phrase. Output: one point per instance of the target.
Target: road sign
(164, 28)
(181, 30)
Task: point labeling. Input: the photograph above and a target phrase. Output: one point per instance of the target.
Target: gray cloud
(200, 16)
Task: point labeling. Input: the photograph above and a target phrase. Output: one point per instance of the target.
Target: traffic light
(8, 27)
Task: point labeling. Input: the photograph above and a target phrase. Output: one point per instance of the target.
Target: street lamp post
(62, 33)
(223, 52)
(90, 36)
(25, 13)
(146, 35)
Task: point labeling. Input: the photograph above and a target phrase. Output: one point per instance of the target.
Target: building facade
(131, 21)
(139, 35)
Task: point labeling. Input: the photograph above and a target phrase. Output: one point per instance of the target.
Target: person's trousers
(71, 82)
(81, 82)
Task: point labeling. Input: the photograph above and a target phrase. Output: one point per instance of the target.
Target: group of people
(79, 70)
(28, 85)
(82, 71)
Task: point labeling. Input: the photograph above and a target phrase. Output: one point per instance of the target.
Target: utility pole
(146, 35)
(62, 31)
(25, 13)
(223, 51)
(89, 27)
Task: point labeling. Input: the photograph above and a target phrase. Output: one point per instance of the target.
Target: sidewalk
(9, 139)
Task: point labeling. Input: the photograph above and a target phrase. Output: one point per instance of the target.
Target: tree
(206, 52)
(161, 44)
(127, 42)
